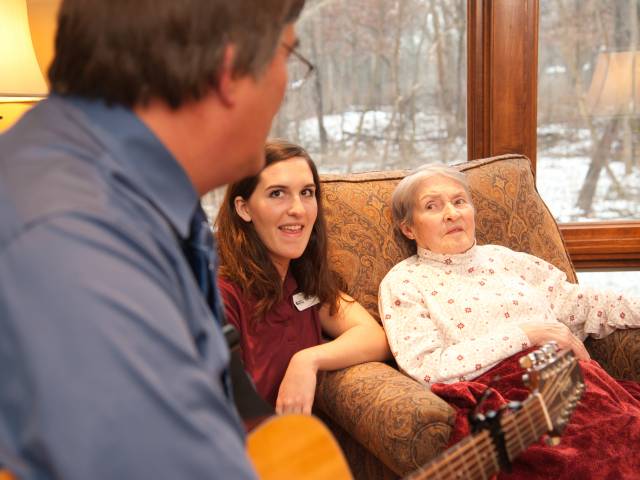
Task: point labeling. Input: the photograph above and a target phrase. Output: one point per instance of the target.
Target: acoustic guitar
(301, 447)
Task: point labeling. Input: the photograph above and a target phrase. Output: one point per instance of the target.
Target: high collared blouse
(451, 318)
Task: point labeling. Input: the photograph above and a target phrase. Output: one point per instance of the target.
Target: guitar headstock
(555, 376)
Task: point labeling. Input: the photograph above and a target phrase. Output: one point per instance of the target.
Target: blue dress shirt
(111, 362)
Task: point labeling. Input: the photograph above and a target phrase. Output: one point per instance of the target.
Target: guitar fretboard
(475, 457)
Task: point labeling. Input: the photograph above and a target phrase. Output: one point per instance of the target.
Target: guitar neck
(476, 457)
(525, 426)
(473, 457)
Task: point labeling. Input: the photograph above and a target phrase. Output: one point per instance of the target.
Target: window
(364, 46)
(627, 282)
(588, 165)
(390, 87)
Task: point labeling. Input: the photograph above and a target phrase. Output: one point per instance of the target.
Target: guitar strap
(251, 407)
(199, 250)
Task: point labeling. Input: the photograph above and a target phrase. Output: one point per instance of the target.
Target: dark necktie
(200, 251)
(199, 248)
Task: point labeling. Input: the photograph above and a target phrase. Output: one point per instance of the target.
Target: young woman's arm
(358, 338)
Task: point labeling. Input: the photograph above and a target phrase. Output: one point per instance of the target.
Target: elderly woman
(457, 310)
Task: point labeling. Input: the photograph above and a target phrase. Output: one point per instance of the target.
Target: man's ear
(242, 208)
(227, 80)
(407, 231)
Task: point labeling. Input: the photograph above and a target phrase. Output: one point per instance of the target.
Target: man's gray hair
(403, 199)
(130, 52)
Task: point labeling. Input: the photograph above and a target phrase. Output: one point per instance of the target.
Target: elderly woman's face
(443, 217)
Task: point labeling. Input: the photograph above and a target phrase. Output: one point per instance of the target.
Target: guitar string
(530, 435)
(510, 425)
(510, 428)
(460, 460)
(458, 454)
(514, 434)
(551, 390)
(483, 440)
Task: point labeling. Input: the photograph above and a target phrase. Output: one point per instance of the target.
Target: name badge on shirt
(302, 302)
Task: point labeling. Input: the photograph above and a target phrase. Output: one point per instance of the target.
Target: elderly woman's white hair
(403, 199)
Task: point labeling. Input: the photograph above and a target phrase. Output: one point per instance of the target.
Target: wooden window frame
(502, 118)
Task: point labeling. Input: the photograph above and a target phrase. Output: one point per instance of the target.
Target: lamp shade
(615, 85)
(20, 77)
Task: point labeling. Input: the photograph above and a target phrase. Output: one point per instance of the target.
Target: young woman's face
(443, 217)
(283, 209)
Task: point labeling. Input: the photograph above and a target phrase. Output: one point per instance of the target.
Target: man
(112, 364)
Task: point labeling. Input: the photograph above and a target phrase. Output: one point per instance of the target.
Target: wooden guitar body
(296, 447)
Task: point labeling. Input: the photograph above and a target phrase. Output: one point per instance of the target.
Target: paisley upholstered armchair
(388, 424)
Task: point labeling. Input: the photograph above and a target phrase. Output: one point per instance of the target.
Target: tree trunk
(317, 93)
(599, 160)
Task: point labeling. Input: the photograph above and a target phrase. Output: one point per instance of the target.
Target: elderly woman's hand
(298, 387)
(540, 333)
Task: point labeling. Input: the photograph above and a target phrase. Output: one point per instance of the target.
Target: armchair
(388, 424)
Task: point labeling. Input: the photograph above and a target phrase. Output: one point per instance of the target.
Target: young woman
(277, 286)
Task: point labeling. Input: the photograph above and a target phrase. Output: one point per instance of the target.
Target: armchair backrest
(364, 246)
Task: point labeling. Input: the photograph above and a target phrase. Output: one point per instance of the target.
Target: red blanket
(602, 440)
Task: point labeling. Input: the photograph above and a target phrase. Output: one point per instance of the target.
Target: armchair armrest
(618, 353)
(398, 420)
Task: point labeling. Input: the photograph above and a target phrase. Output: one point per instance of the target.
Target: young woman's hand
(539, 333)
(298, 387)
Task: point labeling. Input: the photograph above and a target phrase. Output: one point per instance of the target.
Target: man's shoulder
(46, 168)
(51, 197)
(54, 168)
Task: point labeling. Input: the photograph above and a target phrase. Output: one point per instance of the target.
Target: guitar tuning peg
(539, 358)
(549, 350)
(552, 441)
(525, 362)
(554, 345)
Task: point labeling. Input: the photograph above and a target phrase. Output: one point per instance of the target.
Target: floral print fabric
(451, 318)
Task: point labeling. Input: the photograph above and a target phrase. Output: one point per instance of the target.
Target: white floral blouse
(450, 318)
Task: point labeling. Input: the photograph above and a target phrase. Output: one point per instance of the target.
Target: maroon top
(269, 342)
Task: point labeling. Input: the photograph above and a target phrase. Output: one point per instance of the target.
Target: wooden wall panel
(603, 244)
(502, 77)
(502, 116)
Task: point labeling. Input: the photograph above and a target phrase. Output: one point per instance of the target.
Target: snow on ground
(559, 181)
(426, 140)
(624, 282)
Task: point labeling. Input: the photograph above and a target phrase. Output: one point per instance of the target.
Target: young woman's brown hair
(244, 259)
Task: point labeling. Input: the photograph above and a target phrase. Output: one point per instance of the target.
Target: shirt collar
(145, 160)
(447, 258)
(290, 285)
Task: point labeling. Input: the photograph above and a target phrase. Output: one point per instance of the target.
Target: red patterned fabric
(601, 440)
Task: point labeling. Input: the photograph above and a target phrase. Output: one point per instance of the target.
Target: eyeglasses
(300, 69)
